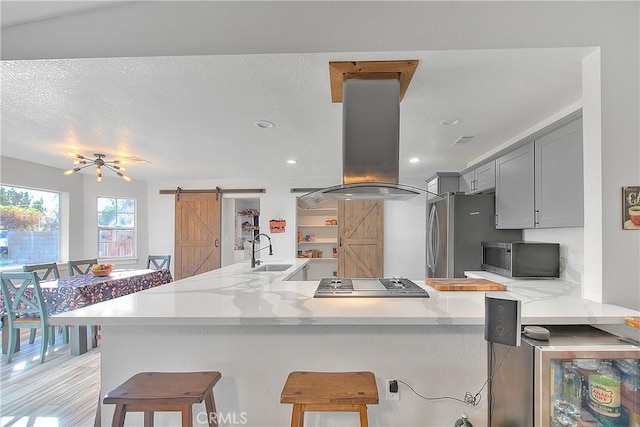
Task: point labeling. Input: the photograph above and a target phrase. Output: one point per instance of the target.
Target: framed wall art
(631, 208)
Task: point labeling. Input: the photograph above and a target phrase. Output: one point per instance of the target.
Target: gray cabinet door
(432, 186)
(485, 176)
(443, 182)
(515, 188)
(559, 177)
(466, 182)
(479, 179)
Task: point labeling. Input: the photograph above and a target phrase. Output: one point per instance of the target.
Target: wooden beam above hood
(339, 71)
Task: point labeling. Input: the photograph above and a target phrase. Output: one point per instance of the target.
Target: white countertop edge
(238, 295)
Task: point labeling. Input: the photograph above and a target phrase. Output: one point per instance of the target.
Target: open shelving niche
(318, 239)
(246, 229)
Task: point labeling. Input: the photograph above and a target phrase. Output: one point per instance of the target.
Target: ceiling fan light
(71, 171)
(98, 162)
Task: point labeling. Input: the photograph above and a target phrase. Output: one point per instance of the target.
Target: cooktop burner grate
(369, 287)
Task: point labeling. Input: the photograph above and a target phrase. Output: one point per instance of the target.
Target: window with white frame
(116, 227)
(29, 226)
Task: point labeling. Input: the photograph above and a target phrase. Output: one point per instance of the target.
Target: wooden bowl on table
(104, 271)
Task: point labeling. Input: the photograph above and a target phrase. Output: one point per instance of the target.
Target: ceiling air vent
(134, 159)
(463, 140)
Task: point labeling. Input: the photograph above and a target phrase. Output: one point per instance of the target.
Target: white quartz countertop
(238, 295)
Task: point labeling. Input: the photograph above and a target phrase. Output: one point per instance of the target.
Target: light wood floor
(61, 392)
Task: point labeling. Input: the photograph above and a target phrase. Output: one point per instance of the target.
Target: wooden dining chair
(43, 270)
(25, 308)
(81, 266)
(158, 262)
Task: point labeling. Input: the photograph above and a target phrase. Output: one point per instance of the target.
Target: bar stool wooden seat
(165, 391)
(329, 392)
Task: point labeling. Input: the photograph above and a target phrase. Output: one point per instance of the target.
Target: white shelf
(319, 211)
(313, 222)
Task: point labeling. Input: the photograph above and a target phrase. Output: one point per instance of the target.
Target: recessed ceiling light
(265, 124)
(450, 122)
(414, 160)
(292, 161)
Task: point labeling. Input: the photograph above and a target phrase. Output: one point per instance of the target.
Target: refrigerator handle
(430, 248)
(436, 221)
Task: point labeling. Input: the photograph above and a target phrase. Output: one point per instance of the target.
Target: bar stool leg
(297, 416)
(364, 420)
(148, 419)
(210, 404)
(118, 416)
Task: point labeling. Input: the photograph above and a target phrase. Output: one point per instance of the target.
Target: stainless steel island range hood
(370, 92)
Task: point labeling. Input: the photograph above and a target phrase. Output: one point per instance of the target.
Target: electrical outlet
(395, 394)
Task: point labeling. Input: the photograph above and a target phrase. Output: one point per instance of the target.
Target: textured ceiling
(193, 116)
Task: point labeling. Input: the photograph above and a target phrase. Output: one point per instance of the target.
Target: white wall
(404, 234)
(81, 191)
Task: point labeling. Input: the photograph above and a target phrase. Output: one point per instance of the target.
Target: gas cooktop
(359, 288)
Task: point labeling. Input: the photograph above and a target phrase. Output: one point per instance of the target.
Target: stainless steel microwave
(521, 259)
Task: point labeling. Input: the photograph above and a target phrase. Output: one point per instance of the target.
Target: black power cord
(469, 398)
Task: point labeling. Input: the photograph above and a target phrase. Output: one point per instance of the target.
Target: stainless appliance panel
(521, 374)
(456, 227)
(521, 259)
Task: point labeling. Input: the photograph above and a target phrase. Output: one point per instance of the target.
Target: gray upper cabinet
(478, 179)
(515, 188)
(540, 185)
(559, 177)
(443, 182)
(466, 181)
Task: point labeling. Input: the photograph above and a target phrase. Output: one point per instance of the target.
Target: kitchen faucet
(253, 249)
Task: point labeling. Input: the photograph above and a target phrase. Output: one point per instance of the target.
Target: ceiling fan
(99, 162)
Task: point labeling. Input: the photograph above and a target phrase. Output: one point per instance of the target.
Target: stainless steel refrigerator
(581, 377)
(456, 226)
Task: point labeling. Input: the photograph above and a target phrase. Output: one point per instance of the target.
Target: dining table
(72, 292)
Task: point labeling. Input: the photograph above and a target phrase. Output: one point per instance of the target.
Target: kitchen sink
(273, 267)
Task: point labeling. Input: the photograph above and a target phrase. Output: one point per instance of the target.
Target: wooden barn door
(360, 230)
(198, 228)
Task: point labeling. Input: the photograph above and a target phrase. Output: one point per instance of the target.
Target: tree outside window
(116, 227)
(29, 226)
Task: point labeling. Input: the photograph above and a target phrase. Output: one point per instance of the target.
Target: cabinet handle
(496, 217)
(217, 243)
(340, 244)
(536, 218)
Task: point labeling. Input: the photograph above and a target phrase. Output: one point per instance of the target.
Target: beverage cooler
(581, 377)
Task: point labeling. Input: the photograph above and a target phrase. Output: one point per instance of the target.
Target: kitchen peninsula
(256, 326)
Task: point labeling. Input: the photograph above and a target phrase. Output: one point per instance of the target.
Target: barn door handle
(217, 243)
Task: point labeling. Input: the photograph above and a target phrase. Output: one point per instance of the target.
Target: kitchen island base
(255, 360)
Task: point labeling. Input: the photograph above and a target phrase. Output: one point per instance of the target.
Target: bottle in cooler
(567, 396)
(604, 392)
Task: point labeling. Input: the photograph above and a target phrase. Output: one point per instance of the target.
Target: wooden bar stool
(329, 392)
(164, 391)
